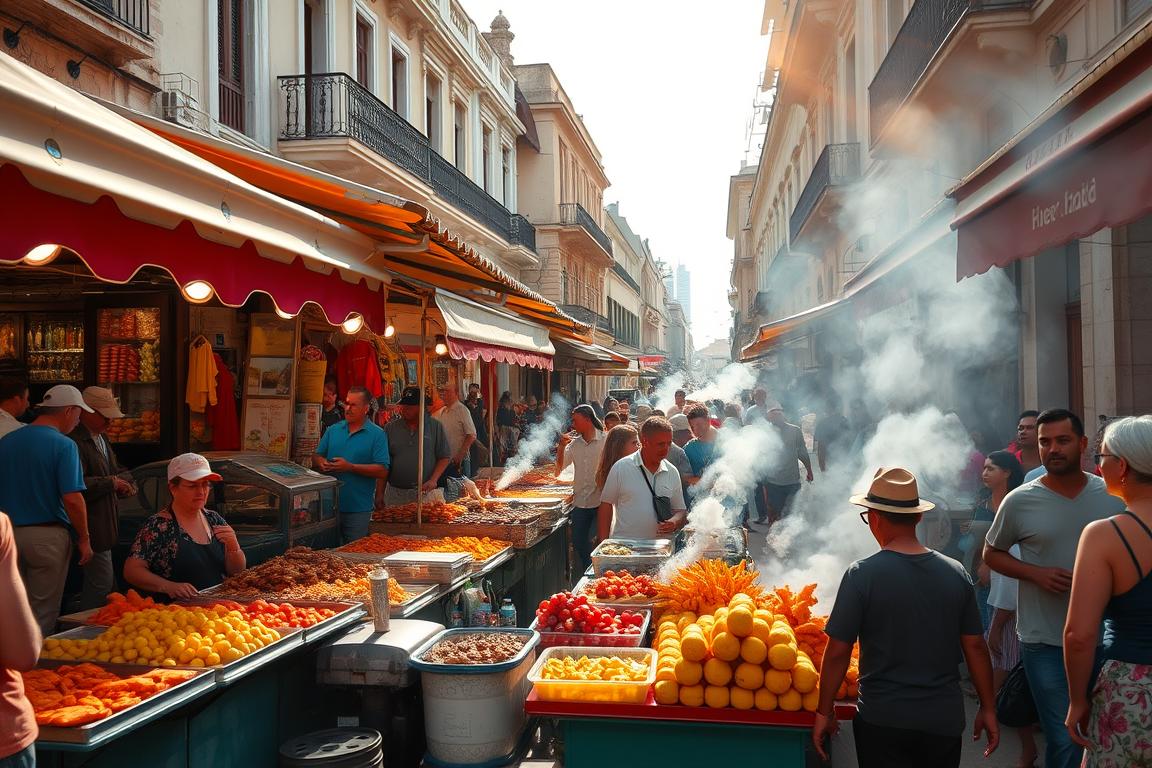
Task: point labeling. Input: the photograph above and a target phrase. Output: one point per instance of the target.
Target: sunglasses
(1099, 457)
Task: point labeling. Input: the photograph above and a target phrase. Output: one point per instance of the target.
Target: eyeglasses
(1099, 457)
(864, 516)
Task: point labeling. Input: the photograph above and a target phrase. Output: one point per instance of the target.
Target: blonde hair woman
(622, 440)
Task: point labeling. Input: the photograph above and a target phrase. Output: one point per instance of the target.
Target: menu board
(267, 426)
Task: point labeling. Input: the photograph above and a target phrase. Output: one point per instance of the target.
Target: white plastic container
(474, 713)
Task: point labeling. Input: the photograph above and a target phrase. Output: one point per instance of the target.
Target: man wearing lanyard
(40, 488)
(105, 483)
(404, 482)
(356, 451)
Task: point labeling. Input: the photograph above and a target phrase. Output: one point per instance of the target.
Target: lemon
(726, 646)
(741, 698)
(777, 681)
(791, 700)
(716, 696)
(753, 650)
(688, 673)
(666, 692)
(692, 695)
(782, 656)
(765, 700)
(717, 672)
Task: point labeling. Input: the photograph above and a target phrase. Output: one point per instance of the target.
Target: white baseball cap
(62, 396)
(191, 467)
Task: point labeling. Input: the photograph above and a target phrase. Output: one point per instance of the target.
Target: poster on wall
(272, 336)
(269, 376)
(267, 426)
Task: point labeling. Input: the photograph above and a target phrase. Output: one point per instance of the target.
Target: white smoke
(665, 395)
(537, 443)
(728, 384)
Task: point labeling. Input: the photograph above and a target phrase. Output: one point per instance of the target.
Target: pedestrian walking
(582, 448)
(782, 481)
(911, 609)
(41, 485)
(1112, 581)
(1046, 517)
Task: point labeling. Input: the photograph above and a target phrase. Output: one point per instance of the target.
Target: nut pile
(291, 573)
(478, 648)
(491, 512)
(429, 513)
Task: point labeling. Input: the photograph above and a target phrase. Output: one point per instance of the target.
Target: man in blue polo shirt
(356, 451)
(40, 489)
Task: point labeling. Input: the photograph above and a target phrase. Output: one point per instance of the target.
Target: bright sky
(666, 91)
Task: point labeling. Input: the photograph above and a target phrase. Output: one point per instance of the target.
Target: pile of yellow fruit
(739, 656)
(598, 668)
(169, 636)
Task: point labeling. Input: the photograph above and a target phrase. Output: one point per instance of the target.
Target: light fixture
(389, 330)
(441, 345)
(73, 67)
(282, 314)
(353, 324)
(42, 254)
(197, 291)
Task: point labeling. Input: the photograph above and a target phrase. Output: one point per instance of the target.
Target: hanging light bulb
(42, 254)
(441, 344)
(197, 291)
(353, 324)
(389, 330)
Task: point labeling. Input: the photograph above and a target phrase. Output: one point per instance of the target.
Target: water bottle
(507, 613)
(482, 616)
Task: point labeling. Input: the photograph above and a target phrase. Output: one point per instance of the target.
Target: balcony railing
(574, 213)
(587, 316)
(131, 13)
(927, 26)
(618, 268)
(335, 105)
(838, 164)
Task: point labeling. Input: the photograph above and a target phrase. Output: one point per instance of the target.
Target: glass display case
(11, 336)
(54, 348)
(128, 363)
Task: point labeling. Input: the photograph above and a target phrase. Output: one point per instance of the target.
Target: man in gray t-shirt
(403, 439)
(1045, 517)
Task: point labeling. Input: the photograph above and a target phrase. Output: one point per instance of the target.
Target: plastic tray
(647, 557)
(620, 604)
(119, 723)
(416, 661)
(596, 691)
(593, 639)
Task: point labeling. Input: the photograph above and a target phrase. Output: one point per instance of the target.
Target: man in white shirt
(582, 448)
(758, 411)
(681, 398)
(628, 506)
(13, 403)
(460, 430)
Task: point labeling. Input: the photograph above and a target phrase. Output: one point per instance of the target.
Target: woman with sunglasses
(184, 547)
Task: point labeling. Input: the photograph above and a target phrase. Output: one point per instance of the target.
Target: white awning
(474, 330)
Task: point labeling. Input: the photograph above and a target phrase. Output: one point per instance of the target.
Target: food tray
(347, 612)
(290, 638)
(522, 535)
(376, 557)
(422, 595)
(119, 723)
(647, 556)
(483, 566)
(620, 604)
(596, 691)
(428, 567)
(593, 639)
(416, 661)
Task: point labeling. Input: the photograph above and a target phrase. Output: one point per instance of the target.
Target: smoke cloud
(728, 384)
(537, 443)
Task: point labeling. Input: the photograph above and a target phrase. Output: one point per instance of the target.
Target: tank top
(1128, 616)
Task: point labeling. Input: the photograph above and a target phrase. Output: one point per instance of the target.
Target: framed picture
(269, 376)
(267, 426)
(272, 337)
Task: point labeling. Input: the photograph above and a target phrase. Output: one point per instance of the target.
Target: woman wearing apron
(184, 547)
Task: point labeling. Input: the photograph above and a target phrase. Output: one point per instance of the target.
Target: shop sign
(1072, 200)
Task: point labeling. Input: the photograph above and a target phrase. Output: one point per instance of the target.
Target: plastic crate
(595, 691)
(594, 639)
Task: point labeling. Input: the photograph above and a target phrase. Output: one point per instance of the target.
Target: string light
(197, 291)
(42, 254)
(353, 324)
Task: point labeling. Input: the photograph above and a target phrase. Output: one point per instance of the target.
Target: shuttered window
(230, 27)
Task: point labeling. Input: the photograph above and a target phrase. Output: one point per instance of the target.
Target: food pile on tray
(70, 696)
(622, 587)
(495, 512)
(476, 648)
(269, 614)
(383, 544)
(307, 574)
(430, 512)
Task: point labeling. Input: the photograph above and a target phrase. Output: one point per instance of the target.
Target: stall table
(651, 734)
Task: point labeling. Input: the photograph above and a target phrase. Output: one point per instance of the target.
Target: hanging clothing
(201, 386)
(357, 366)
(222, 416)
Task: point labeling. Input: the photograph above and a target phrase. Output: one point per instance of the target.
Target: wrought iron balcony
(334, 105)
(574, 213)
(131, 13)
(837, 165)
(587, 316)
(927, 27)
(618, 268)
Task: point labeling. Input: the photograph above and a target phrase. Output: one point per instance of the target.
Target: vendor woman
(184, 547)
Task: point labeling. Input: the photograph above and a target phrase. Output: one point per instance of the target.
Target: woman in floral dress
(1112, 580)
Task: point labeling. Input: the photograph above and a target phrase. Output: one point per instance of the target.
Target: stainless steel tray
(428, 567)
(119, 723)
(290, 639)
(484, 566)
(423, 595)
(347, 612)
(647, 556)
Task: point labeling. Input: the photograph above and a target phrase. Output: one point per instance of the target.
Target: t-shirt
(367, 445)
(909, 613)
(1003, 591)
(403, 445)
(700, 454)
(1047, 526)
(38, 465)
(755, 413)
(785, 469)
(8, 423)
(833, 433)
(457, 422)
(634, 515)
(585, 455)
(679, 459)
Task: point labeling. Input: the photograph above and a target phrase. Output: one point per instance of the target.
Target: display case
(54, 348)
(11, 336)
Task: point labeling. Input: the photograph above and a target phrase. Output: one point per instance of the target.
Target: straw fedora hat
(893, 490)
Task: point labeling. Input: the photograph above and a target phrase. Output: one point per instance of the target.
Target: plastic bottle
(482, 616)
(507, 613)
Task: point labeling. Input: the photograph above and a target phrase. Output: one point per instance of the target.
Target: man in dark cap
(404, 482)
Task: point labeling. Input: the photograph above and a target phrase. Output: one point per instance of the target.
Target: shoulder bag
(662, 504)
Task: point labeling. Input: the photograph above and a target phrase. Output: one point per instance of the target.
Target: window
(850, 93)
(363, 52)
(895, 10)
(1130, 9)
(230, 50)
(433, 111)
(506, 176)
(399, 81)
(459, 134)
(486, 158)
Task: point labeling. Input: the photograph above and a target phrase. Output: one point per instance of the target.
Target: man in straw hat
(908, 606)
(105, 481)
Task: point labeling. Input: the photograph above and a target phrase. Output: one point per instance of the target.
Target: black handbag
(662, 504)
(1015, 706)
